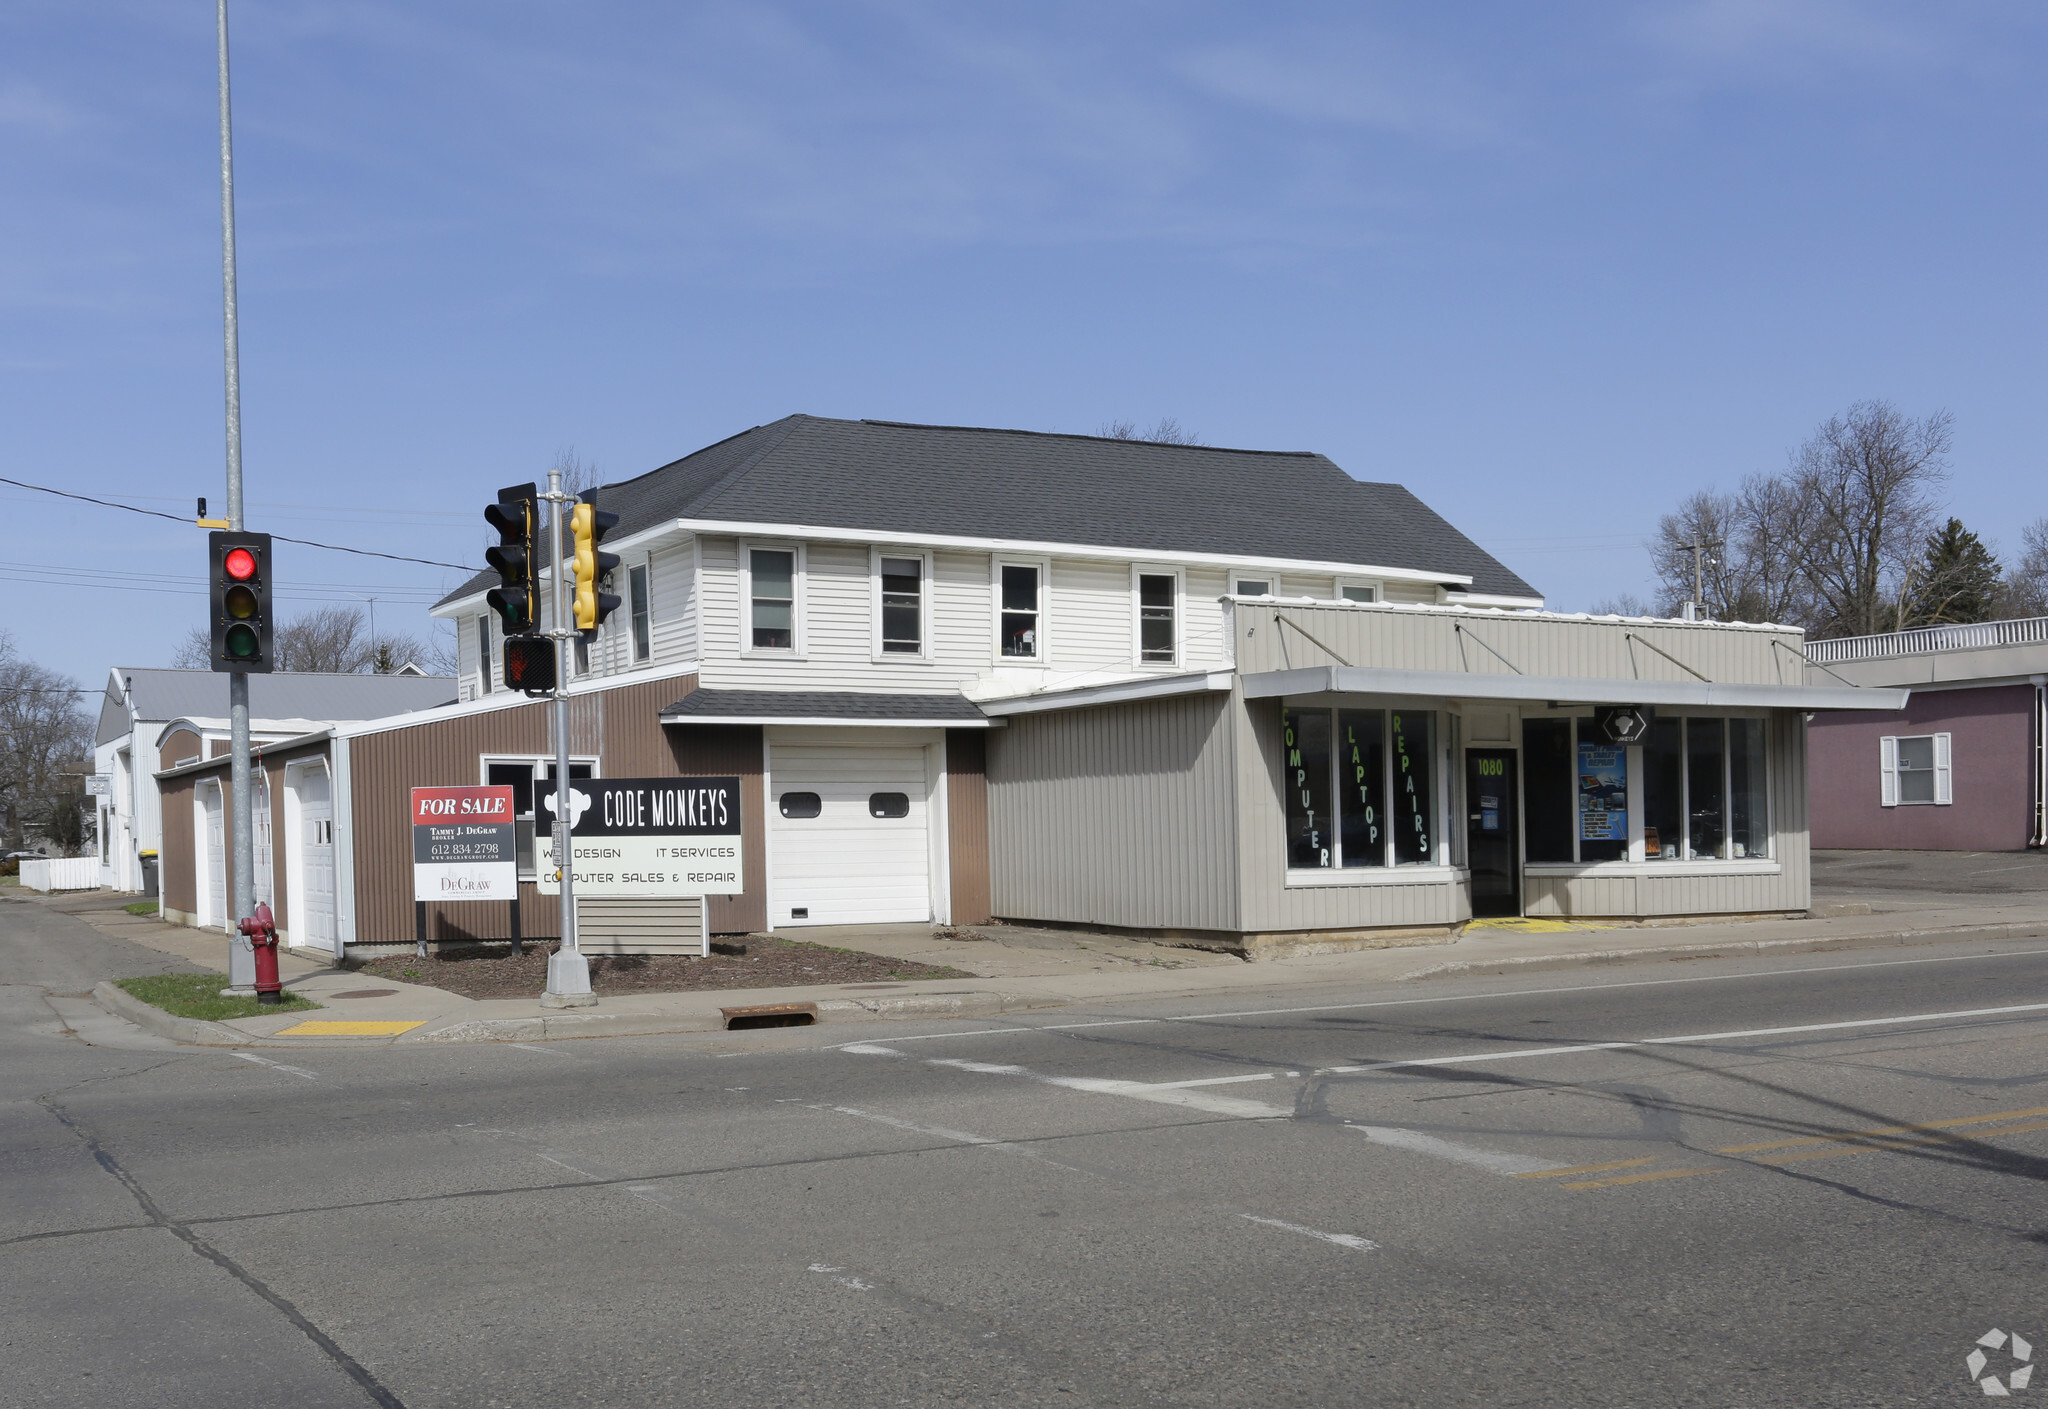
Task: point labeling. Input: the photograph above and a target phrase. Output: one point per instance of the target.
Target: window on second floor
(483, 655)
(642, 608)
(1252, 586)
(1359, 591)
(900, 582)
(1158, 606)
(771, 605)
(1021, 593)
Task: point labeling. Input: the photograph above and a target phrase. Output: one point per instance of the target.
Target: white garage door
(847, 836)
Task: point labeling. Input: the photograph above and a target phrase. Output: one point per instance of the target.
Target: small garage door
(847, 835)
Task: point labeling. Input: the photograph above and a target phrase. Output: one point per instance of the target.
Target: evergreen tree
(1956, 580)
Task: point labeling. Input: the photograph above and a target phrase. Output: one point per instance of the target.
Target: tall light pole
(241, 957)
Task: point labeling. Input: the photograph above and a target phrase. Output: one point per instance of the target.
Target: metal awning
(1562, 689)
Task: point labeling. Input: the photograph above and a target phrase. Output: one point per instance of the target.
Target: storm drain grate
(770, 1015)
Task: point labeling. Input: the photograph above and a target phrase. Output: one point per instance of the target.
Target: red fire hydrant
(262, 932)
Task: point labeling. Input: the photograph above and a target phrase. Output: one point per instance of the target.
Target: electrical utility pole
(568, 971)
(241, 957)
(1699, 549)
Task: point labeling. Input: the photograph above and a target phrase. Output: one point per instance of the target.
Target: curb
(192, 1031)
(1531, 963)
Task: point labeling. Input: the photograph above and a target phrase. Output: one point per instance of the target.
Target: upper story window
(1020, 590)
(901, 583)
(483, 655)
(771, 598)
(1158, 608)
(1251, 586)
(1915, 769)
(1359, 591)
(642, 609)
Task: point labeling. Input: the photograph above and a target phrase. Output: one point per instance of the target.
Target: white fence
(2020, 632)
(62, 873)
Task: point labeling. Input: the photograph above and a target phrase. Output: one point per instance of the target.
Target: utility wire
(179, 518)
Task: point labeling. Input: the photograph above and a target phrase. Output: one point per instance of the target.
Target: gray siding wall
(1270, 905)
(1421, 638)
(1118, 815)
(636, 925)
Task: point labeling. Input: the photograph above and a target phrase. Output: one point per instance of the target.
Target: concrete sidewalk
(1023, 969)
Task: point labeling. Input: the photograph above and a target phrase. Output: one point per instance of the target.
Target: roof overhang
(222, 760)
(1561, 689)
(1123, 691)
(825, 709)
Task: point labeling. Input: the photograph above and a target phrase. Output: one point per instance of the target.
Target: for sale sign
(647, 836)
(463, 844)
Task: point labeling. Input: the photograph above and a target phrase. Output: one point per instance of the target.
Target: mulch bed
(491, 971)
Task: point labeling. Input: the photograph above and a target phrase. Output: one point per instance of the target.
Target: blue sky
(1553, 267)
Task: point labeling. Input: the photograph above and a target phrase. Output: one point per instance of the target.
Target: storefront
(1499, 764)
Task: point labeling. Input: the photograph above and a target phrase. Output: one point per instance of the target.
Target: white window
(520, 774)
(483, 655)
(1020, 611)
(1914, 770)
(1359, 589)
(771, 593)
(1242, 585)
(641, 605)
(901, 606)
(1155, 608)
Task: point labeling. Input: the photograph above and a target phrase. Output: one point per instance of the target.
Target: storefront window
(1603, 799)
(1414, 825)
(1706, 790)
(1548, 788)
(1362, 781)
(1305, 743)
(1360, 787)
(1703, 789)
(1664, 791)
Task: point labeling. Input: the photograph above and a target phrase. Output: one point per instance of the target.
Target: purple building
(1960, 768)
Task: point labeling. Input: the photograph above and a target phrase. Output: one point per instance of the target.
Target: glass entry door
(1491, 833)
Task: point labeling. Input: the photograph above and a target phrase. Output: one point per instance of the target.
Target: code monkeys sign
(646, 836)
(463, 844)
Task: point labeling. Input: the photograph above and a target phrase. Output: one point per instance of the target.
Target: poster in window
(1603, 793)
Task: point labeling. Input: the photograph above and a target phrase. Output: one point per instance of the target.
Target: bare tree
(45, 748)
(2025, 590)
(335, 640)
(1751, 554)
(1166, 431)
(1864, 484)
(1626, 604)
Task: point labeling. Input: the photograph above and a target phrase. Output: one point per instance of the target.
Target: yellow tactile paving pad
(315, 1028)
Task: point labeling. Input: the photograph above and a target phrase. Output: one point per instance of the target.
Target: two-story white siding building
(1236, 697)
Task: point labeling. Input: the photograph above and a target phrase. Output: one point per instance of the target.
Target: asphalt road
(1437, 1194)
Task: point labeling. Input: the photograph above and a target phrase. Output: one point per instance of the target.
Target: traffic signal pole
(568, 970)
(241, 955)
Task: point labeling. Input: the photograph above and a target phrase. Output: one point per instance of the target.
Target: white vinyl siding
(1294, 584)
(1423, 593)
(672, 578)
(1202, 620)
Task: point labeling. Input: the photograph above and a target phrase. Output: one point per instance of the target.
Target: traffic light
(515, 516)
(239, 589)
(530, 664)
(590, 525)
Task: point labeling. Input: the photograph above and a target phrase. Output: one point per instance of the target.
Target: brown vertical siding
(622, 727)
(967, 824)
(181, 747)
(176, 887)
(717, 750)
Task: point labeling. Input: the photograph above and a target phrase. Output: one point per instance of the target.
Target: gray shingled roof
(174, 694)
(960, 481)
(820, 704)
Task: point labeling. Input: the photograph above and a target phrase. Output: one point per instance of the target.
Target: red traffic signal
(238, 592)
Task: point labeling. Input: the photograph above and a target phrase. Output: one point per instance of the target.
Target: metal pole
(568, 970)
(241, 955)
